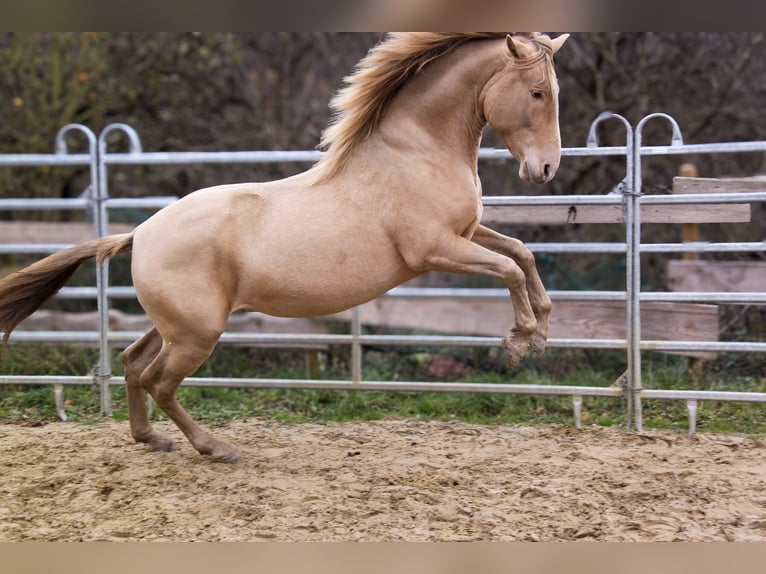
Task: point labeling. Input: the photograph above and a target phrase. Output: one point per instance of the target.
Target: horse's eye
(537, 94)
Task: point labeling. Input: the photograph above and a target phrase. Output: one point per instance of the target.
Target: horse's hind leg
(174, 362)
(136, 358)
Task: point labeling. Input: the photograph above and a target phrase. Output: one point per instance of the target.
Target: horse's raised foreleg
(136, 358)
(538, 296)
(175, 361)
(460, 255)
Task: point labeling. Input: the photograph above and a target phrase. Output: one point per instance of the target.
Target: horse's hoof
(537, 343)
(228, 456)
(158, 441)
(220, 451)
(515, 351)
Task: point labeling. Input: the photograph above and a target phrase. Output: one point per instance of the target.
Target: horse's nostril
(547, 170)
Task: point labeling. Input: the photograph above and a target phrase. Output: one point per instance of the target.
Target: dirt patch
(391, 480)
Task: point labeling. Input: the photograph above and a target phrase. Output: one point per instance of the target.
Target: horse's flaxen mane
(359, 106)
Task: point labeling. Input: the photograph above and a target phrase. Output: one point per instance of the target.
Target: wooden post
(312, 364)
(691, 232)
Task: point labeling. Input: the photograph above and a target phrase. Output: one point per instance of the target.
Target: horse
(396, 194)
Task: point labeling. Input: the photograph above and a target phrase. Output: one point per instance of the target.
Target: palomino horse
(396, 195)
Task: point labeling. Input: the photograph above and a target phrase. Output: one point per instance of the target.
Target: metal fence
(98, 202)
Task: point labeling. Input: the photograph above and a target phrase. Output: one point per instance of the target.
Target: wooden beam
(719, 185)
(678, 213)
(241, 322)
(564, 214)
(569, 319)
(36, 232)
(725, 276)
(481, 317)
(690, 232)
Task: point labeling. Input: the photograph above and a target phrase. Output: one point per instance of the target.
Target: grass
(34, 405)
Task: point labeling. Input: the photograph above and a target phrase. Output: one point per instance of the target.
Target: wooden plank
(569, 319)
(36, 232)
(482, 317)
(564, 214)
(245, 322)
(719, 185)
(680, 213)
(725, 276)
(690, 232)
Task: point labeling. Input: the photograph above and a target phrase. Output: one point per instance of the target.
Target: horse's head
(521, 104)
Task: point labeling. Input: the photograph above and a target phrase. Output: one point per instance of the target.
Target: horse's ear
(558, 41)
(512, 48)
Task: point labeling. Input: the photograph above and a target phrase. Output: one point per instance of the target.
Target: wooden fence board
(563, 214)
(569, 319)
(35, 232)
(481, 317)
(676, 213)
(45, 320)
(724, 276)
(719, 185)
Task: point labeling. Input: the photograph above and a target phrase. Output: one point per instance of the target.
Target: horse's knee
(515, 278)
(545, 304)
(525, 258)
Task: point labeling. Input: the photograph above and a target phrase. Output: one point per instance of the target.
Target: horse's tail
(22, 292)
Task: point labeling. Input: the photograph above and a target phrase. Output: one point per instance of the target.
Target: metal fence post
(101, 220)
(635, 341)
(632, 262)
(94, 194)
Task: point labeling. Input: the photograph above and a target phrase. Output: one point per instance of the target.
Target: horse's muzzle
(540, 173)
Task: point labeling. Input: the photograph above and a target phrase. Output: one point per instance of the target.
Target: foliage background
(235, 91)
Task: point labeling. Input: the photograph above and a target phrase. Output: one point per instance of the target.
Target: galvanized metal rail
(98, 203)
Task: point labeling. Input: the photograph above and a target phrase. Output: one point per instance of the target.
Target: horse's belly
(321, 287)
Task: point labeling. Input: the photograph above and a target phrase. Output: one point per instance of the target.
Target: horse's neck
(440, 110)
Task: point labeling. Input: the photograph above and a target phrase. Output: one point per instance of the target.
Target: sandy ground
(390, 480)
